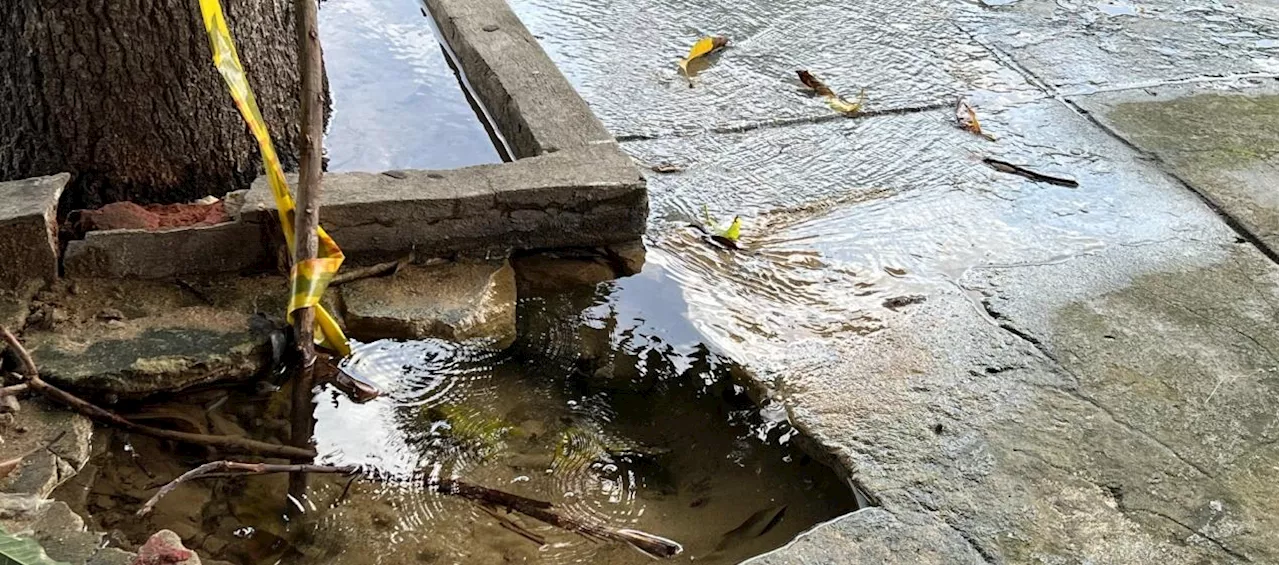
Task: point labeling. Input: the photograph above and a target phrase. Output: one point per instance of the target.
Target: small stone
(628, 256)
(43, 470)
(9, 404)
(545, 273)
(165, 548)
(896, 302)
(452, 301)
(109, 314)
(165, 351)
(490, 27)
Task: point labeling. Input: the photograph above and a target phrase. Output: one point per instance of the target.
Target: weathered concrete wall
(225, 248)
(28, 229)
(588, 196)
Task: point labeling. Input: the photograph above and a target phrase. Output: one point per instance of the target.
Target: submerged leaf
(756, 525)
(968, 120)
(835, 101)
(702, 48)
(23, 551)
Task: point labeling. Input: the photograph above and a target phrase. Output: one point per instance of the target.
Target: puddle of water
(608, 406)
(397, 104)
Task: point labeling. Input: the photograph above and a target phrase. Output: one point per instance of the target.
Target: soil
(127, 215)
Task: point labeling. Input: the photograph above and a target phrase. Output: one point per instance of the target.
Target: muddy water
(396, 102)
(609, 407)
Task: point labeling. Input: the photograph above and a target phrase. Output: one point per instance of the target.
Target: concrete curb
(534, 106)
(572, 186)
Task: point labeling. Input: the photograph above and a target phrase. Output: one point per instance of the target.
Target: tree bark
(124, 95)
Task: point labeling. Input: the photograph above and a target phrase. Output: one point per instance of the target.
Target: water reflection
(608, 406)
(396, 103)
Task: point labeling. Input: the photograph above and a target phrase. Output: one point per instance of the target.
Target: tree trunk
(124, 95)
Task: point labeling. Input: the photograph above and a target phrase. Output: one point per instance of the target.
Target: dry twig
(388, 268)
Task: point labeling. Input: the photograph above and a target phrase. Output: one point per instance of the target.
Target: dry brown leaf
(703, 47)
(968, 120)
(835, 101)
(812, 82)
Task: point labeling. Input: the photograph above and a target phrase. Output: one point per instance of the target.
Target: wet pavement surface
(1020, 371)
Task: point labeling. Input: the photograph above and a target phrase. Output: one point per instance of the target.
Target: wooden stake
(307, 220)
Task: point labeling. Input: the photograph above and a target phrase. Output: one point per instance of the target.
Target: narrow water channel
(396, 102)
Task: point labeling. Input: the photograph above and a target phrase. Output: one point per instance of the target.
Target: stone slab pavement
(1014, 371)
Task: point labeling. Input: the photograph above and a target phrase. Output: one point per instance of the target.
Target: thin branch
(355, 274)
(487, 498)
(234, 468)
(233, 444)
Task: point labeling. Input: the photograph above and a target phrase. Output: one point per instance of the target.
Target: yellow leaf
(702, 47)
(734, 231)
(844, 106)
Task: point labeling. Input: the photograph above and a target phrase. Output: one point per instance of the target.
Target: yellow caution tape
(309, 278)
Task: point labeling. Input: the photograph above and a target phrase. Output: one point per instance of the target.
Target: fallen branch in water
(488, 498)
(218, 469)
(357, 273)
(233, 444)
(545, 512)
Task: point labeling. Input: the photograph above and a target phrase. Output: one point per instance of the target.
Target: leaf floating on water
(734, 231)
(23, 551)
(835, 101)
(727, 237)
(756, 525)
(968, 120)
(702, 48)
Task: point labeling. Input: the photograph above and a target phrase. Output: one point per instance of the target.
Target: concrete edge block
(140, 254)
(29, 229)
(535, 107)
(587, 196)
